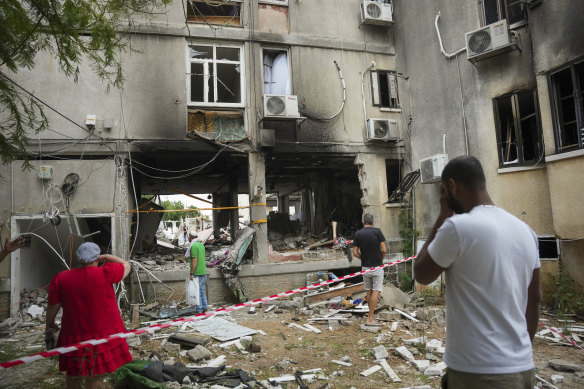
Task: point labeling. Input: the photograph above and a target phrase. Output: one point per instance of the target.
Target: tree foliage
(96, 31)
(167, 204)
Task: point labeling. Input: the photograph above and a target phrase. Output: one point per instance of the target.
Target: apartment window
(518, 128)
(216, 75)
(225, 12)
(567, 89)
(384, 89)
(515, 11)
(277, 2)
(276, 73)
(392, 174)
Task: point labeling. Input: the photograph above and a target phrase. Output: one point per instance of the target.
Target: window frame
(517, 118)
(283, 3)
(579, 110)
(277, 48)
(242, 79)
(240, 25)
(376, 97)
(502, 7)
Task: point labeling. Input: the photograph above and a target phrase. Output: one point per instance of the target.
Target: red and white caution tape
(177, 322)
(562, 335)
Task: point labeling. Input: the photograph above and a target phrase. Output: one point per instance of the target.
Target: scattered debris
(389, 371)
(380, 352)
(563, 365)
(371, 370)
(405, 353)
(436, 369)
(557, 379)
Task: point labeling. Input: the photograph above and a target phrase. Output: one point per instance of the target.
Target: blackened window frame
(517, 119)
(376, 95)
(578, 93)
(503, 7)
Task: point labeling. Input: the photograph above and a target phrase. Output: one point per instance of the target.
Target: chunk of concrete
(405, 353)
(172, 347)
(388, 316)
(437, 320)
(422, 364)
(199, 353)
(393, 296)
(433, 344)
(370, 371)
(380, 352)
(35, 311)
(134, 341)
(346, 358)
(563, 365)
(435, 370)
(372, 329)
(557, 379)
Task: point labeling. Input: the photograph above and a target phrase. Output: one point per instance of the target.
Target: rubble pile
(32, 312)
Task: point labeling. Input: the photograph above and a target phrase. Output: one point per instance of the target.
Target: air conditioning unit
(281, 106)
(378, 13)
(431, 168)
(489, 41)
(382, 129)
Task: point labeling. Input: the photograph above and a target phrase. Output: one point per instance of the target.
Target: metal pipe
(448, 56)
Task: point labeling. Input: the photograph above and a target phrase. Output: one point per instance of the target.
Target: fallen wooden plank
(371, 370)
(312, 328)
(328, 318)
(189, 341)
(406, 315)
(319, 244)
(389, 370)
(334, 293)
(294, 325)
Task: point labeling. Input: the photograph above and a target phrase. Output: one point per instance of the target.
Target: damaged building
(316, 112)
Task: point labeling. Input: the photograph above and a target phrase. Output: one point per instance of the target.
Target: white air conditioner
(281, 106)
(431, 168)
(375, 12)
(382, 129)
(488, 41)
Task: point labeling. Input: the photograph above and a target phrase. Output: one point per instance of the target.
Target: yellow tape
(260, 221)
(196, 209)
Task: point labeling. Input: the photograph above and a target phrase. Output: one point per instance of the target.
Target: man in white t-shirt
(491, 262)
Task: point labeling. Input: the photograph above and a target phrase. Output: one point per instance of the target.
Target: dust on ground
(300, 351)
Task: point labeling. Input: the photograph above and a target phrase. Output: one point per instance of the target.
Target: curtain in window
(276, 74)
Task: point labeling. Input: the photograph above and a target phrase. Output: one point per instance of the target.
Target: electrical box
(90, 121)
(45, 172)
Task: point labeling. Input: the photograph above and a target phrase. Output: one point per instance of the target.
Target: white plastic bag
(192, 291)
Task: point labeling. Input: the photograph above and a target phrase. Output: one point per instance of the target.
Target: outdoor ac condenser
(488, 41)
(281, 106)
(377, 13)
(431, 168)
(382, 130)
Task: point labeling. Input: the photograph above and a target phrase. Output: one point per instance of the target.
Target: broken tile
(435, 370)
(405, 353)
(389, 371)
(370, 371)
(371, 329)
(422, 364)
(557, 379)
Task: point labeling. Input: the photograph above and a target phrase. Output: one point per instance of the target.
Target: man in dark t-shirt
(369, 246)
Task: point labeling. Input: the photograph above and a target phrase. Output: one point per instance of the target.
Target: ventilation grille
(380, 129)
(480, 41)
(427, 170)
(276, 106)
(373, 11)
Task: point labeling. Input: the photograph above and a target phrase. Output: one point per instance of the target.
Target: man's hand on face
(445, 210)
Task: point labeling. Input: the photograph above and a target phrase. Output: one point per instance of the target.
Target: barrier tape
(196, 209)
(562, 335)
(172, 323)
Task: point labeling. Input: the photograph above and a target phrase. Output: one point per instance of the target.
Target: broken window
(276, 73)
(404, 187)
(384, 89)
(216, 76)
(548, 247)
(392, 174)
(518, 128)
(224, 12)
(568, 102)
(515, 11)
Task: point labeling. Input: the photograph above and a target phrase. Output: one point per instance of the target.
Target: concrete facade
(458, 94)
(148, 121)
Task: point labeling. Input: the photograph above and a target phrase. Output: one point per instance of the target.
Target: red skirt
(91, 361)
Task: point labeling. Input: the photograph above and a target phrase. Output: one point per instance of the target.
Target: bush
(562, 295)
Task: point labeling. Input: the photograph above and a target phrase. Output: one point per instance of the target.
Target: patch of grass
(338, 348)
(562, 295)
(422, 378)
(366, 352)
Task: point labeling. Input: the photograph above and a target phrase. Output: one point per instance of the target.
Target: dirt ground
(300, 351)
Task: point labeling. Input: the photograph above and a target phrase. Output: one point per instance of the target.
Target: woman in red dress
(90, 311)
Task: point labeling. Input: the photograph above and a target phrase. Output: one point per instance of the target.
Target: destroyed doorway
(319, 189)
(34, 266)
